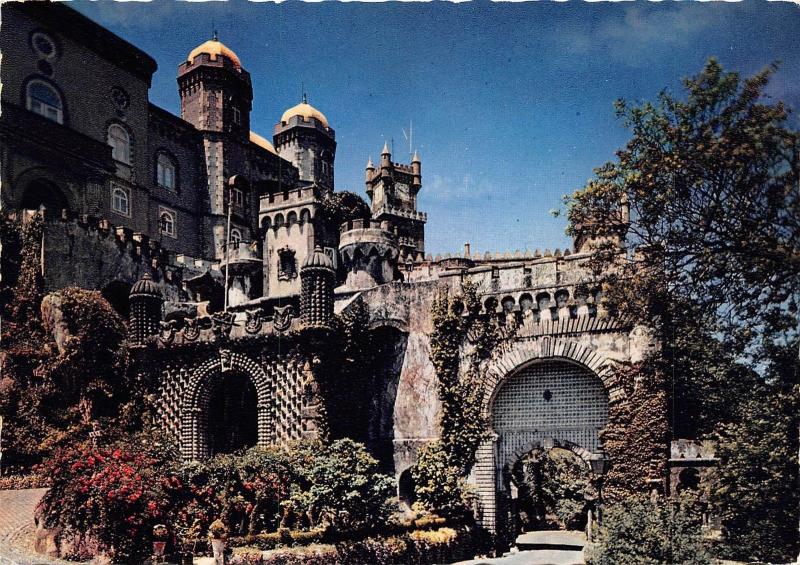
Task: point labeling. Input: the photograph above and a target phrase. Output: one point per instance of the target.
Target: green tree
(341, 486)
(707, 188)
(756, 488)
(712, 186)
(438, 482)
(639, 531)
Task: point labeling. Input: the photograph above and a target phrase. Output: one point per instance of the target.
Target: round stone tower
(369, 251)
(318, 278)
(145, 310)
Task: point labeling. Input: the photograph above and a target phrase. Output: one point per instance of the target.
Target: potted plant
(160, 535)
(218, 532)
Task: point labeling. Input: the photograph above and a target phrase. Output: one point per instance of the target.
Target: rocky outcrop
(54, 321)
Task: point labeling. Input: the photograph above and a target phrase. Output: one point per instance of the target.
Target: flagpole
(228, 240)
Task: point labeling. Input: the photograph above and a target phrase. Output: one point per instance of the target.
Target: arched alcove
(41, 193)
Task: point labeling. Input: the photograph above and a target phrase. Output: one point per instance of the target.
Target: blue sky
(511, 103)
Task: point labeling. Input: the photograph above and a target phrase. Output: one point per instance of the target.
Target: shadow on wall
(390, 352)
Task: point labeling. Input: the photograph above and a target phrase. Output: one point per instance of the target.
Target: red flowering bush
(244, 490)
(113, 495)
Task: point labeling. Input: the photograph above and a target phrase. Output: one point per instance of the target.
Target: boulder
(54, 320)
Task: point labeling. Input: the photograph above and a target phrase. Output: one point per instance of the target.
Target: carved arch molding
(194, 441)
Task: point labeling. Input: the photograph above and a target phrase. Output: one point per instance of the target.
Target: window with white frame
(120, 200)
(236, 237)
(165, 171)
(168, 222)
(238, 197)
(44, 100)
(120, 143)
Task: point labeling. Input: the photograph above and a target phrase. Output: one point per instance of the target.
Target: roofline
(71, 23)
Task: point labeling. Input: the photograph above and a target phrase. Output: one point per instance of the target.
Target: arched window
(120, 143)
(166, 219)
(44, 100)
(165, 171)
(120, 200)
(236, 237)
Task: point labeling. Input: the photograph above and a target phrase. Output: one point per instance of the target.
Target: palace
(221, 247)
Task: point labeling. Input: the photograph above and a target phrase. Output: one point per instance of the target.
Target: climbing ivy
(637, 434)
(461, 338)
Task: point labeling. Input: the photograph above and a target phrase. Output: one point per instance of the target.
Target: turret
(368, 174)
(386, 161)
(145, 310)
(304, 137)
(416, 171)
(318, 278)
(369, 252)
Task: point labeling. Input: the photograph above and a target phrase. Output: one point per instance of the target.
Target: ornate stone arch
(515, 357)
(523, 352)
(584, 454)
(197, 396)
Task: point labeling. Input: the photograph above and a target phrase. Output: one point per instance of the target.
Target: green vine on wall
(461, 339)
(637, 434)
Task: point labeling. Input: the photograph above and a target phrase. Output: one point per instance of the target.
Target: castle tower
(316, 299)
(369, 253)
(304, 137)
(392, 189)
(216, 98)
(145, 310)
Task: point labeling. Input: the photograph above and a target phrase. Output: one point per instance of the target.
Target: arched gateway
(539, 393)
(232, 379)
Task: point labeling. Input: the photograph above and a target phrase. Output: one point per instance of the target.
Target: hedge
(441, 545)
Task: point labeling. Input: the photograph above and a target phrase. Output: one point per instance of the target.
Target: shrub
(111, 494)
(340, 485)
(438, 484)
(243, 490)
(218, 530)
(638, 531)
(554, 487)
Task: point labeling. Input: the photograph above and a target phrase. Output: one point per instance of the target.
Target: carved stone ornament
(283, 318)
(167, 334)
(192, 330)
(222, 322)
(225, 360)
(254, 322)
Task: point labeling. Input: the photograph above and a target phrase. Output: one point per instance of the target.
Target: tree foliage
(50, 392)
(712, 185)
(640, 531)
(555, 489)
(755, 487)
(711, 182)
(340, 485)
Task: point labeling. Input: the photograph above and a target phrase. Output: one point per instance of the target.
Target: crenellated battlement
(365, 224)
(401, 212)
(293, 197)
(93, 252)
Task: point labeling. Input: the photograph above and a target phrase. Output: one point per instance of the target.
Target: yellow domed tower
(216, 93)
(304, 137)
(216, 98)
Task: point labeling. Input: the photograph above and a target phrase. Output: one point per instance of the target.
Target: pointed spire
(415, 158)
(305, 98)
(385, 150)
(370, 166)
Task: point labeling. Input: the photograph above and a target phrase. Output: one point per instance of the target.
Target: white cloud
(631, 36)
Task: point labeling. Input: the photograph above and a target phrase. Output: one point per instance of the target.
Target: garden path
(17, 529)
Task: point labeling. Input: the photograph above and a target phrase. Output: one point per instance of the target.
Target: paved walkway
(541, 548)
(17, 529)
